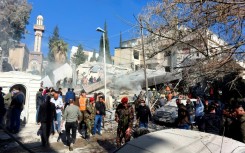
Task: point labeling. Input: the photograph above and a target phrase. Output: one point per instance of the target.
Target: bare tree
(205, 37)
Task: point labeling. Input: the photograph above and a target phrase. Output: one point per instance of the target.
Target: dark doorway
(21, 87)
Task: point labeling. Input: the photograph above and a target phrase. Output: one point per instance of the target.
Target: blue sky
(78, 19)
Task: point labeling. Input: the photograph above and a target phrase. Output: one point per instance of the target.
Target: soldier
(124, 116)
(87, 119)
(92, 115)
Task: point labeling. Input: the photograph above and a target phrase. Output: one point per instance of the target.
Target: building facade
(19, 57)
(160, 54)
(129, 55)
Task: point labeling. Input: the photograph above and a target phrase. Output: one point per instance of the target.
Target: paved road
(28, 136)
(98, 144)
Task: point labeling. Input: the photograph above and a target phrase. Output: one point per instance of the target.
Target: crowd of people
(91, 80)
(211, 115)
(55, 110)
(84, 114)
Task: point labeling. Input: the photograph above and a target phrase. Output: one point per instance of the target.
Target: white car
(182, 141)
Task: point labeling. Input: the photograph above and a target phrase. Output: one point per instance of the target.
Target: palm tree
(59, 49)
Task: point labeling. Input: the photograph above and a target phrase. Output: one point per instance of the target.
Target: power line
(80, 41)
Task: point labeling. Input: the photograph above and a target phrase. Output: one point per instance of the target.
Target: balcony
(38, 27)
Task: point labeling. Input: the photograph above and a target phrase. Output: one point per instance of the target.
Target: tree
(204, 36)
(107, 47)
(55, 37)
(93, 58)
(57, 48)
(79, 57)
(14, 15)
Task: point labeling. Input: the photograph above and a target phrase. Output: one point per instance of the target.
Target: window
(137, 67)
(136, 54)
(167, 69)
(167, 53)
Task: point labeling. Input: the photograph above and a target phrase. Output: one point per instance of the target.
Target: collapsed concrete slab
(47, 82)
(64, 71)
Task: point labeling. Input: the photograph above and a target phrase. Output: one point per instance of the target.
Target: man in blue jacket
(69, 95)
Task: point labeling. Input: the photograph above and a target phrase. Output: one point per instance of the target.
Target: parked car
(169, 112)
(166, 114)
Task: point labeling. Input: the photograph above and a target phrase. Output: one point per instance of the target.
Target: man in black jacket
(17, 105)
(143, 115)
(39, 101)
(100, 113)
(46, 115)
(212, 122)
(2, 107)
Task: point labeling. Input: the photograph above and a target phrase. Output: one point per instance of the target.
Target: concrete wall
(19, 57)
(32, 85)
(125, 57)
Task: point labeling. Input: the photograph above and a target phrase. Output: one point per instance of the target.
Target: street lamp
(103, 32)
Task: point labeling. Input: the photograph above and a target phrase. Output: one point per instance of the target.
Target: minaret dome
(39, 20)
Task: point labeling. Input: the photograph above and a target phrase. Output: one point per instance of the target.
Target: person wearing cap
(71, 115)
(124, 116)
(100, 113)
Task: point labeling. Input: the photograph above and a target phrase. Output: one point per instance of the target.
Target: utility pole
(74, 75)
(145, 73)
(1, 59)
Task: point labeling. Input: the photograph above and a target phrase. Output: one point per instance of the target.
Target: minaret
(36, 57)
(39, 29)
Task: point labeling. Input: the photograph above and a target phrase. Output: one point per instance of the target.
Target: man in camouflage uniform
(92, 115)
(87, 119)
(124, 116)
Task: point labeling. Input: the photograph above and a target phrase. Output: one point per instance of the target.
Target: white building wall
(32, 85)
